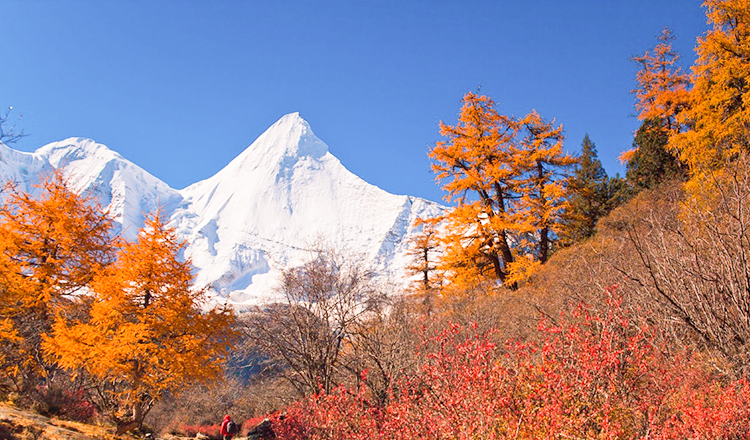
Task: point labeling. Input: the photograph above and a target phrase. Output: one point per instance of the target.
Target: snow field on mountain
(278, 200)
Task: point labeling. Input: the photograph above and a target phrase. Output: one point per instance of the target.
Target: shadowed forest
(551, 300)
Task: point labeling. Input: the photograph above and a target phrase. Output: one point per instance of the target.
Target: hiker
(228, 428)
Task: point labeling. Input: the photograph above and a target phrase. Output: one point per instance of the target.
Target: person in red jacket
(228, 428)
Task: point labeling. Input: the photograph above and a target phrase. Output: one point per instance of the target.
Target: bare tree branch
(8, 130)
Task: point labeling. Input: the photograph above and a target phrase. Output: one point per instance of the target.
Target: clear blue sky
(181, 87)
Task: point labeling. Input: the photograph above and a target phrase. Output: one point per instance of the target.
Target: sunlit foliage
(146, 334)
(51, 247)
(507, 177)
(718, 115)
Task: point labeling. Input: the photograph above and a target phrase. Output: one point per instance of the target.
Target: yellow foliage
(477, 162)
(522, 268)
(507, 177)
(662, 91)
(50, 247)
(627, 155)
(479, 152)
(466, 260)
(56, 241)
(146, 334)
(543, 193)
(423, 249)
(718, 113)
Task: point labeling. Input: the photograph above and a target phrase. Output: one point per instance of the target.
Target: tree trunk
(137, 412)
(505, 252)
(544, 230)
(126, 426)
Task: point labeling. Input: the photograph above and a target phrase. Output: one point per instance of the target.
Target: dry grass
(16, 424)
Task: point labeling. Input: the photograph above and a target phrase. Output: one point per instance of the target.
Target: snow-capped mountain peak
(127, 190)
(277, 150)
(290, 137)
(73, 149)
(279, 198)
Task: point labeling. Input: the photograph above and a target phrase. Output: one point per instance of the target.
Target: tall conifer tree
(508, 177)
(662, 91)
(590, 195)
(542, 169)
(651, 162)
(662, 98)
(718, 115)
(476, 161)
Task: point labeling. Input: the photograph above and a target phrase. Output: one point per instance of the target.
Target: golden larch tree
(51, 245)
(718, 115)
(508, 177)
(544, 169)
(475, 164)
(662, 90)
(662, 87)
(147, 333)
(424, 250)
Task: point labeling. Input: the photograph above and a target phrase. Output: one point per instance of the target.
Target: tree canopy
(507, 176)
(147, 333)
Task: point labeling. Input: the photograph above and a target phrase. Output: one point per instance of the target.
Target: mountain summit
(279, 199)
(282, 196)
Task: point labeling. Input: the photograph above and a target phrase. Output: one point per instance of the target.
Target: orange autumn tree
(51, 245)
(424, 249)
(146, 334)
(661, 95)
(543, 175)
(508, 179)
(662, 90)
(718, 115)
(476, 161)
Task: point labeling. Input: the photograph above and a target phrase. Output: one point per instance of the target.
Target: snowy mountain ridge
(282, 196)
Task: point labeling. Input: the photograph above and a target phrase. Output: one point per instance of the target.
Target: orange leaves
(662, 100)
(627, 155)
(507, 176)
(149, 268)
(423, 250)
(522, 268)
(477, 154)
(476, 161)
(662, 87)
(718, 115)
(544, 167)
(146, 330)
(133, 323)
(56, 241)
(50, 247)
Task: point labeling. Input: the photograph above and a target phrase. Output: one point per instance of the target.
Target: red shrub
(65, 403)
(339, 415)
(249, 424)
(599, 377)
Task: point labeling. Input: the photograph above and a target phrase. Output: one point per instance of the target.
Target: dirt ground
(17, 424)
